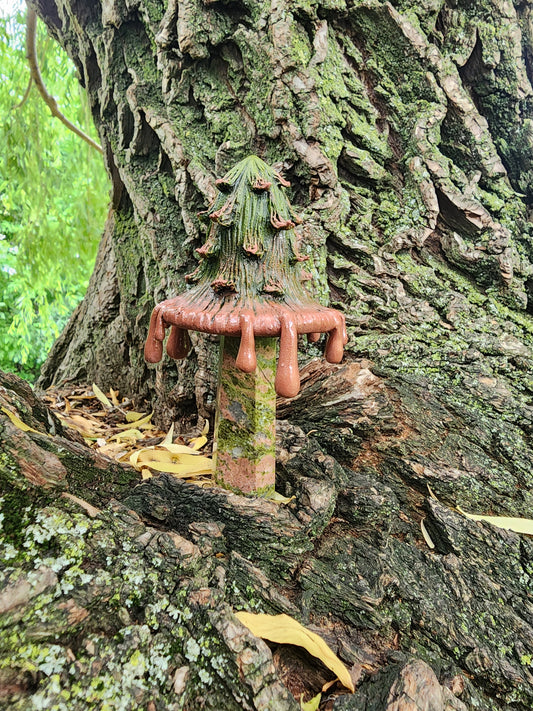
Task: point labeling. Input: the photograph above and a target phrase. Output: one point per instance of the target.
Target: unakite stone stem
(245, 423)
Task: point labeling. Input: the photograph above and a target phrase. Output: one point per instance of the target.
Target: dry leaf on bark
(284, 629)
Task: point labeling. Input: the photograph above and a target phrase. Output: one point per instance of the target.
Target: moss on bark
(404, 128)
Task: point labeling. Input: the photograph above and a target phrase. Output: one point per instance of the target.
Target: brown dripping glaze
(249, 282)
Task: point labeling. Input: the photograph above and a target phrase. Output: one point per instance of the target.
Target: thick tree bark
(405, 129)
(130, 604)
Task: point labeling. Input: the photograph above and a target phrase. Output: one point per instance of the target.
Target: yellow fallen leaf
(15, 419)
(146, 474)
(155, 454)
(151, 454)
(164, 461)
(172, 455)
(205, 429)
(279, 498)
(426, 535)
(518, 525)
(137, 423)
(168, 437)
(312, 704)
(100, 396)
(286, 630)
(193, 458)
(114, 397)
(127, 435)
(180, 449)
(181, 470)
(198, 442)
(133, 459)
(131, 415)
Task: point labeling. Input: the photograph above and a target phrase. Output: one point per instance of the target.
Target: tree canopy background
(54, 193)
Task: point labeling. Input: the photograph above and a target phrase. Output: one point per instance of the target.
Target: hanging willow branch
(25, 97)
(50, 101)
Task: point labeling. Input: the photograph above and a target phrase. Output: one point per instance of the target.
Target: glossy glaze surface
(249, 282)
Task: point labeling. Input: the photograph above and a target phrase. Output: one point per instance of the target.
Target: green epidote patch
(245, 428)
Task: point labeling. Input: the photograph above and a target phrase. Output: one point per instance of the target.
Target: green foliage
(53, 198)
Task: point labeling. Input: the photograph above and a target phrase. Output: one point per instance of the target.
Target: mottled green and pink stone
(248, 288)
(245, 425)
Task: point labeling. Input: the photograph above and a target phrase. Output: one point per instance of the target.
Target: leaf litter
(111, 426)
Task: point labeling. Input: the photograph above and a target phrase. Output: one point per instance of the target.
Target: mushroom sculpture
(249, 286)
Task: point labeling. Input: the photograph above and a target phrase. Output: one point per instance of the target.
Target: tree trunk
(129, 604)
(403, 127)
(406, 131)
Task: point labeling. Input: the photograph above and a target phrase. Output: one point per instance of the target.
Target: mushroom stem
(245, 423)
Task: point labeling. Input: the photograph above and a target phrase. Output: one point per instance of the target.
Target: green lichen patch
(107, 613)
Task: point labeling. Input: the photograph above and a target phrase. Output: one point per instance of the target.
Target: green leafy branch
(53, 201)
(37, 79)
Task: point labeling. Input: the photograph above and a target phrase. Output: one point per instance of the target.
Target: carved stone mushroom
(249, 286)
